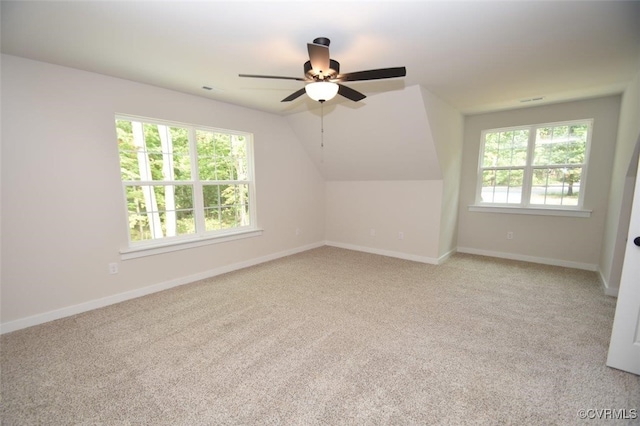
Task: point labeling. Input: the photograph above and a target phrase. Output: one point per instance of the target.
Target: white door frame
(624, 349)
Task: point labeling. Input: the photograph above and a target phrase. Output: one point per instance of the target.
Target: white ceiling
(477, 56)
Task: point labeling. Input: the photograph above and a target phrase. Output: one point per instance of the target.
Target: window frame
(200, 236)
(525, 206)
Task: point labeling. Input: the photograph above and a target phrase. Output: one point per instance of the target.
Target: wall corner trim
(608, 290)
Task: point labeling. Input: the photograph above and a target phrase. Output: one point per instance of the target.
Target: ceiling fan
(323, 77)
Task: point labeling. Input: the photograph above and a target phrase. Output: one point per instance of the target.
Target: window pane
(502, 186)
(212, 219)
(211, 195)
(543, 145)
(506, 148)
(239, 149)
(577, 144)
(155, 165)
(224, 169)
(556, 186)
(137, 197)
(139, 227)
(157, 211)
(129, 167)
(160, 154)
(520, 143)
(555, 168)
(222, 144)
(206, 163)
(491, 150)
(226, 206)
(560, 145)
(151, 138)
(153, 152)
(183, 197)
(221, 156)
(488, 186)
(186, 223)
(228, 217)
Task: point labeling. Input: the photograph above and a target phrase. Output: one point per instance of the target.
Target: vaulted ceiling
(477, 56)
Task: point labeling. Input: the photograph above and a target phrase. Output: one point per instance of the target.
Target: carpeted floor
(331, 337)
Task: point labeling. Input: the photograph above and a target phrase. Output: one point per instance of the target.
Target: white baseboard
(397, 254)
(128, 295)
(121, 297)
(533, 259)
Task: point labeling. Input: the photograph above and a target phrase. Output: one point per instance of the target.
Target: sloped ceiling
(386, 137)
(474, 55)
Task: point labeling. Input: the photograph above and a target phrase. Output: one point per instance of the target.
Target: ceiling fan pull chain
(322, 125)
(322, 132)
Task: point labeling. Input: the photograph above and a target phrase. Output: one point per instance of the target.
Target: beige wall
(569, 241)
(622, 186)
(386, 136)
(63, 215)
(446, 126)
(353, 209)
(423, 209)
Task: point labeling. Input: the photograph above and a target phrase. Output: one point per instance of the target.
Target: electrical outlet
(297, 231)
(113, 268)
(401, 235)
(510, 235)
(372, 232)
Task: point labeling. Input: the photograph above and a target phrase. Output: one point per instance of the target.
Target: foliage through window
(534, 166)
(183, 181)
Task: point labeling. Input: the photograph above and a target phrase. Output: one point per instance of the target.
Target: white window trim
(141, 250)
(137, 249)
(541, 211)
(524, 207)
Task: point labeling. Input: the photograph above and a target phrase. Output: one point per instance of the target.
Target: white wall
(569, 241)
(446, 125)
(354, 208)
(384, 137)
(393, 166)
(621, 191)
(62, 205)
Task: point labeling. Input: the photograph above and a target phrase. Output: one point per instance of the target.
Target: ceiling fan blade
(378, 74)
(349, 93)
(319, 57)
(294, 95)
(271, 76)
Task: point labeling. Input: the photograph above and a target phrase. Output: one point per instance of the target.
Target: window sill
(152, 250)
(537, 211)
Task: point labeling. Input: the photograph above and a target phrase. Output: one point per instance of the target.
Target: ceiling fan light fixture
(321, 91)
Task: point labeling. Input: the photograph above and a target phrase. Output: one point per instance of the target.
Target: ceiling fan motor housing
(332, 72)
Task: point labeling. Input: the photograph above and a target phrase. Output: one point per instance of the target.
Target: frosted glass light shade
(321, 90)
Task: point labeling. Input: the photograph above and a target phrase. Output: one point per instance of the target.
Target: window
(539, 166)
(184, 182)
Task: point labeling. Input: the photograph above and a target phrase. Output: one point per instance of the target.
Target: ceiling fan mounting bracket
(322, 40)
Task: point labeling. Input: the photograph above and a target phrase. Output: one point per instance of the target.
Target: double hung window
(184, 182)
(538, 166)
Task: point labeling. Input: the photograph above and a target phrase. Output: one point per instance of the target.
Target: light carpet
(331, 337)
